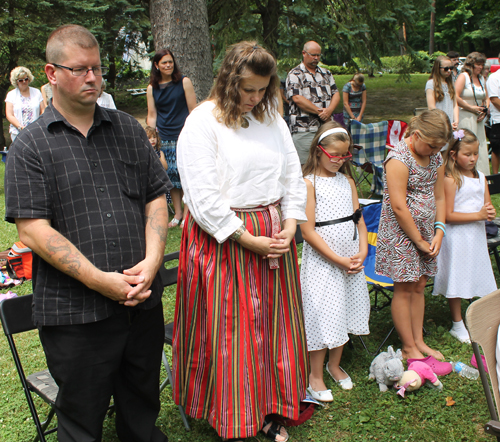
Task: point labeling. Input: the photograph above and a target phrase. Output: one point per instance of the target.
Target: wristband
(237, 233)
(437, 223)
(441, 228)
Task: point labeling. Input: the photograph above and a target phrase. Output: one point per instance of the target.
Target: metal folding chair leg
(45, 424)
(376, 352)
(170, 381)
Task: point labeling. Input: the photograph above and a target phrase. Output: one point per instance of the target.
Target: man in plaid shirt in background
(313, 96)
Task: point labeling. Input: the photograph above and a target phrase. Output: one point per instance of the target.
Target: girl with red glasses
(334, 291)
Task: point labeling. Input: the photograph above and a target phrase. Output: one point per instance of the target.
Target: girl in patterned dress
(334, 291)
(464, 266)
(411, 225)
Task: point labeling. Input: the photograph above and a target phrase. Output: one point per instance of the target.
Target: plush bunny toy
(387, 368)
(417, 374)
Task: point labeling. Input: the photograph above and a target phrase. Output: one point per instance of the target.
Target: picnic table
(137, 91)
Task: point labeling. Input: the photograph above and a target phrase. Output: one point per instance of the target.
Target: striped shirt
(94, 190)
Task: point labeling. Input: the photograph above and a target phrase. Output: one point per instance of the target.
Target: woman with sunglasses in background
(23, 104)
(439, 89)
(472, 97)
(334, 291)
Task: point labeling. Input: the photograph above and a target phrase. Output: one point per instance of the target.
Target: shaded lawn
(361, 414)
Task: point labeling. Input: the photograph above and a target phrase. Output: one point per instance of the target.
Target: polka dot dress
(335, 303)
(464, 266)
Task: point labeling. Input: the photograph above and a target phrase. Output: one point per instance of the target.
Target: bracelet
(237, 233)
(441, 228)
(437, 223)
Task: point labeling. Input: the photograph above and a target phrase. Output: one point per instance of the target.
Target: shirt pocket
(130, 178)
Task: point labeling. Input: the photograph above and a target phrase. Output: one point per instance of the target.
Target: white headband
(332, 131)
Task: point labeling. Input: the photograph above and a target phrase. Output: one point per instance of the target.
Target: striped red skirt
(239, 349)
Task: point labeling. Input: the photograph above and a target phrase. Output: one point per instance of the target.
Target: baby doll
(417, 374)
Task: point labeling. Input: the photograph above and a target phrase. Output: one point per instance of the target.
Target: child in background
(154, 139)
(334, 291)
(412, 227)
(464, 266)
(354, 98)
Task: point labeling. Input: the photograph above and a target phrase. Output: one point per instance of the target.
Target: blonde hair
(312, 164)
(438, 79)
(358, 77)
(451, 168)
(242, 60)
(151, 132)
(20, 71)
(433, 126)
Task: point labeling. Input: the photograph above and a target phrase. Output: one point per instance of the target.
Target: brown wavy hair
(433, 126)
(438, 79)
(312, 164)
(451, 169)
(155, 75)
(242, 60)
(472, 59)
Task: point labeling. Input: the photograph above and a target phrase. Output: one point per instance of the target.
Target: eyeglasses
(313, 55)
(336, 158)
(23, 80)
(98, 71)
(446, 69)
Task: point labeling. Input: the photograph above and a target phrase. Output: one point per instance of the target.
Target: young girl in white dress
(334, 291)
(464, 266)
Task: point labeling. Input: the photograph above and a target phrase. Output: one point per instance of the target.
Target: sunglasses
(23, 80)
(446, 69)
(336, 158)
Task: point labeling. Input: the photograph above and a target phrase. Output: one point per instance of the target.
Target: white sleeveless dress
(464, 265)
(335, 303)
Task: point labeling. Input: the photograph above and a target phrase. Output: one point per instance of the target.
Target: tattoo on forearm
(157, 221)
(56, 244)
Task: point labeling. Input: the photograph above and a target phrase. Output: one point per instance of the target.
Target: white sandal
(175, 222)
(346, 383)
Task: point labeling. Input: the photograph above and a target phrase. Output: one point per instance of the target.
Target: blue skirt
(169, 148)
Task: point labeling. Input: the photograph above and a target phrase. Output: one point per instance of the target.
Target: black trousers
(494, 137)
(120, 357)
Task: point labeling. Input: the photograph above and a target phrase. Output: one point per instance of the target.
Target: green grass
(362, 414)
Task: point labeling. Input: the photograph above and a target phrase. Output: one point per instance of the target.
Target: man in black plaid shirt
(87, 193)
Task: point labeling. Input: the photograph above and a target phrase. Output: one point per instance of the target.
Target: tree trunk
(270, 15)
(182, 26)
(433, 26)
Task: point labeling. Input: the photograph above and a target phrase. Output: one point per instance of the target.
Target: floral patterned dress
(397, 256)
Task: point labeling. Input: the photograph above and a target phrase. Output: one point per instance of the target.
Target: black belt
(356, 216)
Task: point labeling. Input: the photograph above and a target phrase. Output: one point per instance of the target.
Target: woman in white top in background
(440, 92)
(24, 104)
(239, 347)
(105, 100)
(472, 97)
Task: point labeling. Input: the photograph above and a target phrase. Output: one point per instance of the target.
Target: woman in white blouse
(239, 344)
(23, 104)
(472, 97)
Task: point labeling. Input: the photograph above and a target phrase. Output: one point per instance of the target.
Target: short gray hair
(68, 34)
